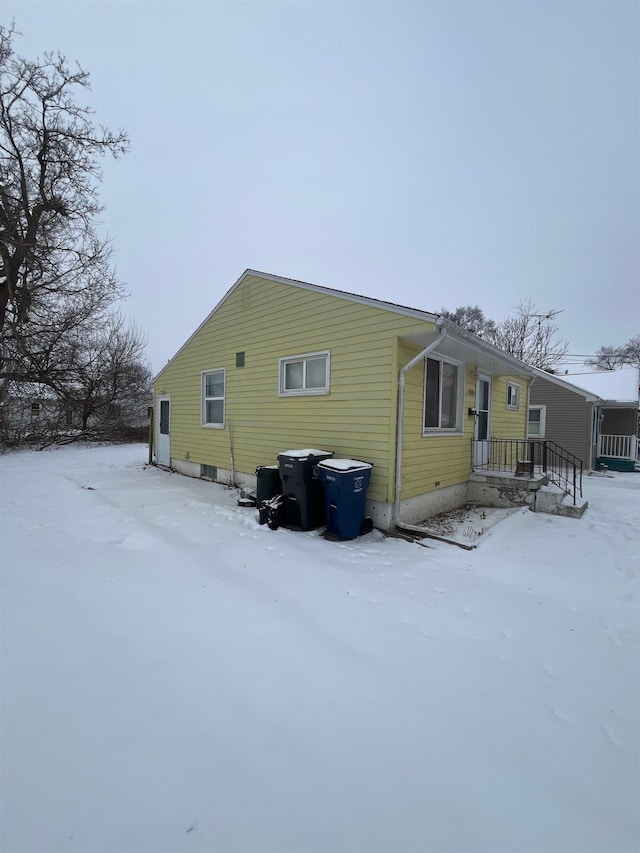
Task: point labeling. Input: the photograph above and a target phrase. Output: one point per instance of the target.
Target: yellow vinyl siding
(267, 321)
(508, 423)
(430, 461)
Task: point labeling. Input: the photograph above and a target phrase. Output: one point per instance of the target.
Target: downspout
(532, 379)
(442, 333)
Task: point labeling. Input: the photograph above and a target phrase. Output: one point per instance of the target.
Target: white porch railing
(619, 447)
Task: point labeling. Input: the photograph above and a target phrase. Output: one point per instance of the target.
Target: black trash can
(303, 495)
(268, 483)
(345, 483)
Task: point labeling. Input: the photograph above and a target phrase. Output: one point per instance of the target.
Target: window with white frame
(304, 374)
(513, 395)
(536, 421)
(213, 391)
(443, 381)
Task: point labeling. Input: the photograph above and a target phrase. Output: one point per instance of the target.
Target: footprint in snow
(614, 632)
(560, 716)
(614, 738)
(440, 589)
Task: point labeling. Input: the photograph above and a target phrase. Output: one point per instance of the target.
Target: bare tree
(529, 334)
(49, 175)
(611, 357)
(57, 283)
(472, 318)
(107, 382)
(532, 336)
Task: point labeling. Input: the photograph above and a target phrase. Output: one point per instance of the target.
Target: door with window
(163, 432)
(482, 431)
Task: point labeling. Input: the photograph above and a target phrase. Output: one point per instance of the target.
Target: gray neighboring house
(29, 411)
(596, 418)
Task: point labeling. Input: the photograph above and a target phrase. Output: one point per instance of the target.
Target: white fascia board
(568, 386)
(453, 330)
(520, 368)
(204, 323)
(345, 294)
(316, 288)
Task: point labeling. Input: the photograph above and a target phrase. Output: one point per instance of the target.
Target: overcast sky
(434, 154)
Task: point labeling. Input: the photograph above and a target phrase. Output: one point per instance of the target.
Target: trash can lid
(305, 454)
(344, 464)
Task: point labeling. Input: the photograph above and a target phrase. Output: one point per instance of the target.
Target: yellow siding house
(282, 364)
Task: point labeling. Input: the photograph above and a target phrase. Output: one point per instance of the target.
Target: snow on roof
(31, 391)
(344, 464)
(305, 454)
(621, 384)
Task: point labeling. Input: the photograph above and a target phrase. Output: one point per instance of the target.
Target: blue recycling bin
(345, 483)
(301, 488)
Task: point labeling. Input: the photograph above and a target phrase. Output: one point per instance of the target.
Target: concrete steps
(555, 501)
(503, 489)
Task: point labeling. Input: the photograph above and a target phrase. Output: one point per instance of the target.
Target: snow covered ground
(177, 678)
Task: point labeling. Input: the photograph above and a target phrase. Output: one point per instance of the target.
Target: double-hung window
(536, 421)
(304, 374)
(513, 395)
(442, 395)
(213, 390)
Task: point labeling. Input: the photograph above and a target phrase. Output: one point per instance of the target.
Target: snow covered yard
(177, 678)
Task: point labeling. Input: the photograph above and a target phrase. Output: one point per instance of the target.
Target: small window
(304, 374)
(513, 395)
(164, 417)
(35, 410)
(213, 395)
(442, 392)
(536, 421)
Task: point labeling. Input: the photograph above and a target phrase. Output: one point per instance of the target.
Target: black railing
(529, 457)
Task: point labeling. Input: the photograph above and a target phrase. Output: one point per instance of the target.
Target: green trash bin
(268, 483)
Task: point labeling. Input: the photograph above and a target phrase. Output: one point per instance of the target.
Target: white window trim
(543, 420)
(518, 391)
(203, 399)
(459, 428)
(303, 392)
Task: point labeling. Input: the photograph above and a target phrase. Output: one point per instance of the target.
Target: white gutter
(442, 333)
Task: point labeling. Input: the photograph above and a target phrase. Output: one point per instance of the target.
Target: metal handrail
(559, 466)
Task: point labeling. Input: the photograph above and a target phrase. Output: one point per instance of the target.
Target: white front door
(163, 432)
(482, 431)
